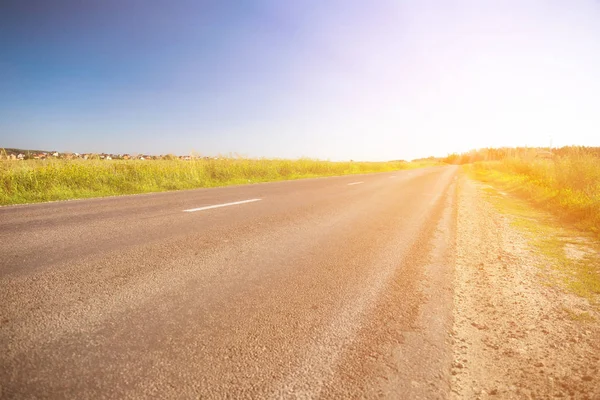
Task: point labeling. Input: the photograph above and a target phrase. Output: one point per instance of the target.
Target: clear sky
(339, 80)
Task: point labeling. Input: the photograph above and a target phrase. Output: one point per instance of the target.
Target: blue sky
(363, 80)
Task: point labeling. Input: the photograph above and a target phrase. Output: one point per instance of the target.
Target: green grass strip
(33, 181)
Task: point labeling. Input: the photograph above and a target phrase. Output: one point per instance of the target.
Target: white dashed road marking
(355, 183)
(235, 203)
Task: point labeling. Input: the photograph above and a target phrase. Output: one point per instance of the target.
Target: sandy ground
(514, 335)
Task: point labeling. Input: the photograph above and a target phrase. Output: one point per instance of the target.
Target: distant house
(126, 157)
(20, 156)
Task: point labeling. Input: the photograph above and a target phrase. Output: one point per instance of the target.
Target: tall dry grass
(567, 185)
(46, 180)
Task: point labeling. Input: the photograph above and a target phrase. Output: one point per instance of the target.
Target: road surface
(322, 288)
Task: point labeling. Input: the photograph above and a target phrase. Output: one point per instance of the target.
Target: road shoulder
(522, 329)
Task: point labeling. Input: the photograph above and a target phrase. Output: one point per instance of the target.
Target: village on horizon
(20, 154)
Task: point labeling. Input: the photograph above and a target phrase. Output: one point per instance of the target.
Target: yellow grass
(46, 180)
(568, 186)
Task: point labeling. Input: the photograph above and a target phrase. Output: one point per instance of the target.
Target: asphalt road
(322, 288)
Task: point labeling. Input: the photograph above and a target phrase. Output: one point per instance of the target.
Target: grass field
(555, 200)
(567, 185)
(46, 180)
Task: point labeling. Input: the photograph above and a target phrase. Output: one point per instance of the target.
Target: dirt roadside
(514, 335)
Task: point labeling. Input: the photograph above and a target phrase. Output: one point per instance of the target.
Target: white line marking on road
(235, 203)
(355, 183)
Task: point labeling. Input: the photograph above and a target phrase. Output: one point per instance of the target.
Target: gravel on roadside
(513, 335)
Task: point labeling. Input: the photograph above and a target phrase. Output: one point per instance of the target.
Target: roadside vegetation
(564, 181)
(28, 181)
(571, 255)
(553, 195)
